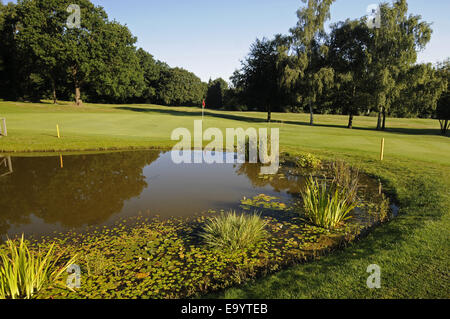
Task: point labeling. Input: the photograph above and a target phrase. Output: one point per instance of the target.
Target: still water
(39, 197)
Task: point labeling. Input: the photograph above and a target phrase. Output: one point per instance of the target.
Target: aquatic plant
(231, 231)
(308, 161)
(23, 273)
(346, 180)
(327, 206)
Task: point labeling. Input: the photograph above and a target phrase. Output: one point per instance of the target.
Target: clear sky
(210, 37)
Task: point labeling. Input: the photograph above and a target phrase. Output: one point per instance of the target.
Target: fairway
(32, 127)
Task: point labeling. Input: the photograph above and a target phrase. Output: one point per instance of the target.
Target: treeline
(352, 70)
(42, 58)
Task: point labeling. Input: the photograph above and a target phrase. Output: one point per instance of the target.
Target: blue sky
(210, 37)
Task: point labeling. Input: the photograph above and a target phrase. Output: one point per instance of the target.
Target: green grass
(412, 250)
(233, 232)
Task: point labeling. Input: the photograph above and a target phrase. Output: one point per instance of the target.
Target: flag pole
(203, 109)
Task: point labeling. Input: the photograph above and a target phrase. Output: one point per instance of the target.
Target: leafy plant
(308, 161)
(231, 231)
(96, 263)
(23, 274)
(327, 206)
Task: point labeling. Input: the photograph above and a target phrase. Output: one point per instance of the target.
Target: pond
(42, 195)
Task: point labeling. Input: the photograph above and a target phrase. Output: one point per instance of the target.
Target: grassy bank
(412, 250)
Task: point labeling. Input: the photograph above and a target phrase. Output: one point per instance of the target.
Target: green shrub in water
(327, 206)
(23, 274)
(231, 231)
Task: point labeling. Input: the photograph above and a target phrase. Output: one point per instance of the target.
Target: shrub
(327, 206)
(346, 180)
(231, 231)
(308, 161)
(23, 274)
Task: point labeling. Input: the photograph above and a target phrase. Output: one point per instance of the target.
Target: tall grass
(329, 206)
(231, 231)
(346, 180)
(23, 273)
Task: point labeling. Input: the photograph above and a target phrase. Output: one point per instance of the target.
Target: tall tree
(179, 87)
(216, 93)
(393, 51)
(422, 85)
(99, 54)
(349, 58)
(307, 73)
(259, 81)
(152, 70)
(443, 106)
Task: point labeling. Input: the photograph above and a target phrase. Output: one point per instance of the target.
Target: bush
(231, 231)
(23, 274)
(327, 206)
(308, 161)
(346, 180)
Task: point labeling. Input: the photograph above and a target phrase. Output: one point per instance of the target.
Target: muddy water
(41, 195)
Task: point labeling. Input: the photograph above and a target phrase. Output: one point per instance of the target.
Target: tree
(99, 54)
(117, 75)
(422, 86)
(179, 87)
(307, 72)
(259, 81)
(443, 105)
(152, 70)
(349, 58)
(393, 50)
(216, 93)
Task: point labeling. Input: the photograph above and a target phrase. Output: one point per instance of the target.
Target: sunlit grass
(233, 232)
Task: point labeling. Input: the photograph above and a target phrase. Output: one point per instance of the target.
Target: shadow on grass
(177, 112)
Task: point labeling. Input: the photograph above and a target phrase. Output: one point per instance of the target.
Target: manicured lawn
(412, 250)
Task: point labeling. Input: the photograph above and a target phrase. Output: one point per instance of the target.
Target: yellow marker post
(57, 130)
(382, 150)
(61, 160)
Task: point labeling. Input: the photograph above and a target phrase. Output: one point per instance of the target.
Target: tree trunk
(379, 118)
(444, 126)
(350, 120)
(77, 87)
(384, 119)
(54, 92)
(269, 114)
(311, 112)
(77, 95)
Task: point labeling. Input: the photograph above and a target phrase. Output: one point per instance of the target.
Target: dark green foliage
(443, 105)
(180, 88)
(259, 82)
(349, 58)
(41, 57)
(216, 94)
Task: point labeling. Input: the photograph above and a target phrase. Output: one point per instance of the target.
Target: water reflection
(58, 193)
(7, 163)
